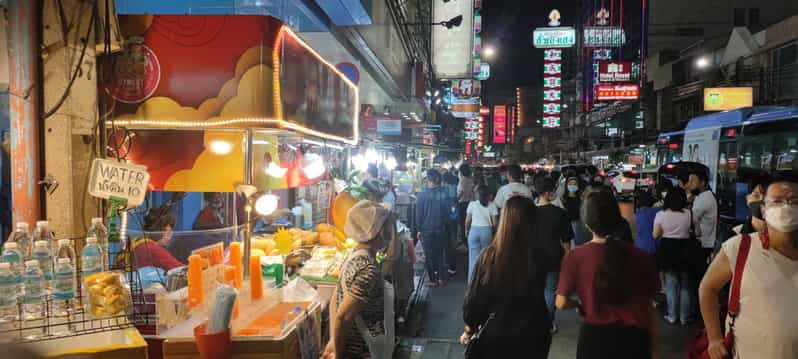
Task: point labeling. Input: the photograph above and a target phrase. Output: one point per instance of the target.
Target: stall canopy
(188, 90)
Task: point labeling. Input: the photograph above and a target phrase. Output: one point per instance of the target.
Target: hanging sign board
(553, 37)
(604, 36)
(617, 92)
(727, 98)
(614, 71)
(109, 178)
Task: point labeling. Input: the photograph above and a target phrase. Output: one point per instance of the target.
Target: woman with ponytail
(615, 283)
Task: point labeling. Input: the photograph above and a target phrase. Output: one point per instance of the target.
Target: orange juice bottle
(195, 290)
(255, 278)
(236, 262)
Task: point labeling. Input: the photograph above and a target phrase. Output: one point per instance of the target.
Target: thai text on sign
(109, 178)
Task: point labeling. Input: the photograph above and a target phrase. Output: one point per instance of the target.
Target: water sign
(109, 178)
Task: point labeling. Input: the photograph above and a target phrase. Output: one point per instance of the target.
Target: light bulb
(220, 147)
(390, 163)
(266, 204)
(314, 166)
(372, 156)
(275, 170)
(360, 162)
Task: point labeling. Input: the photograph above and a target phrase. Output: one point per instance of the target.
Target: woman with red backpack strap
(761, 321)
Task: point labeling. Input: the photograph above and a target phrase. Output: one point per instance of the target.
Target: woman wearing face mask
(766, 325)
(572, 202)
(360, 326)
(758, 185)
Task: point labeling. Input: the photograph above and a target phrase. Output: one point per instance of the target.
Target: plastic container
(97, 229)
(44, 233)
(64, 286)
(13, 256)
(33, 297)
(91, 257)
(21, 235)
(9, 289)
(212, 346)
(41, 253)
(307, 214)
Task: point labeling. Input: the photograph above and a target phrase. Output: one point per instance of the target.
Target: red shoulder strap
(742, 256)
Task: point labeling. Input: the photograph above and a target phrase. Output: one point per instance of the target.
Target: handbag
(697, 348)
(473, 341)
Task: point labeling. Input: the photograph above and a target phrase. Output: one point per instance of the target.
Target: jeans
(550, 291)
(679, 291)
(479, 238)
(435, 243)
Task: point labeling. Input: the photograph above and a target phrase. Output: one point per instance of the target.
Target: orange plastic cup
(213, 346)
(255, 277)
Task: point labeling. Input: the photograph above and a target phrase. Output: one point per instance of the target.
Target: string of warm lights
(279, 121)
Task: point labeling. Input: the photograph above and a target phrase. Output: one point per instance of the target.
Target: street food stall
(247, 108)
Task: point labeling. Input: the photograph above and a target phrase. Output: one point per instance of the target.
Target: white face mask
(573, 188)
(782, 217)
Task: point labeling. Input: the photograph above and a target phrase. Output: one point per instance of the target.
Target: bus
(737, 145)
(669, 147)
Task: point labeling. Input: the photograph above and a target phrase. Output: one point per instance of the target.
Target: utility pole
(23, 31)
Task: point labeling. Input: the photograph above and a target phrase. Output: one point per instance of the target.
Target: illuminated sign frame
(619, 92)
(452, 49)
(604, 36)
(615, 71)
(499, 124)
(554, 37)
(727, 98)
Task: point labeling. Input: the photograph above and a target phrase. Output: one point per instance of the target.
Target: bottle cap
(42, 223)
(11, 245)
(5, 265)
(96, 220)
(23, 225)
(64, 242)
(31, 263)
(91, 240)
(40, 244)
(64, 261)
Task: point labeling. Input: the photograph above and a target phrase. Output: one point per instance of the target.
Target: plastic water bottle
(41, 253)
(66, 250)
(64, 287)
(21, 235)
(91, 257)
(14, 258)
(98, 230)
(9, 288)
(33, 297)
(43, 233)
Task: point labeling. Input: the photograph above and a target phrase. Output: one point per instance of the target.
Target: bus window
(756, 151)
(786, 151)
(727, 178)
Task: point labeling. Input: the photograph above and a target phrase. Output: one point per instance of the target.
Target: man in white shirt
(513, 188)
(705, 211)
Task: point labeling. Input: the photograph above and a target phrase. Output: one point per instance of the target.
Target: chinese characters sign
(604, 36)
(499, 124)
(611, 71)
(617, 92)
(552, 90)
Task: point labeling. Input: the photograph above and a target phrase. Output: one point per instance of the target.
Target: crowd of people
(542, 242)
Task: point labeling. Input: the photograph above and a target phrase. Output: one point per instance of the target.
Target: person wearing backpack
(764, 269)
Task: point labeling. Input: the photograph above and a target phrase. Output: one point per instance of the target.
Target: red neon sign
(617, 92)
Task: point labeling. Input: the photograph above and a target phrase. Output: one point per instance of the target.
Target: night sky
(507, 25)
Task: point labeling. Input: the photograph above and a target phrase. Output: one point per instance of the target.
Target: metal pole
(23, 29)
(248, 205)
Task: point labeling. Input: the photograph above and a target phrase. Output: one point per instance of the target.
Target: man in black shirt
(554, 229)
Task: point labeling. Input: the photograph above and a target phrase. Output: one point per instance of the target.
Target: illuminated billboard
(615, 71)
(617, 92)
(727, 98)
(452, 49)
(499, 124)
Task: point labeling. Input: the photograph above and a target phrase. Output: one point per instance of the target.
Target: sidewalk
(440, 325)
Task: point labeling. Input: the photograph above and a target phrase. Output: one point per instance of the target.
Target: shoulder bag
(697, 348)
(473, 341)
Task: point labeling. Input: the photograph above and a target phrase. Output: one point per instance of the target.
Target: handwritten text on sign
(110, 178)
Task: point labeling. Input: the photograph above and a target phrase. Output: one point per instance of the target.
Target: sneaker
(670, 320)
(452, 271)
(553, 328)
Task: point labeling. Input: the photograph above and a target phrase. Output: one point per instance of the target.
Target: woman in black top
(508, 282)
(572, 202)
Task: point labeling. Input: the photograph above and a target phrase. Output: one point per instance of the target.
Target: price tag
(109, 178)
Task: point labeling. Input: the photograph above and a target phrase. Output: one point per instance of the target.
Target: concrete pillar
(23, 33)
(70, 137)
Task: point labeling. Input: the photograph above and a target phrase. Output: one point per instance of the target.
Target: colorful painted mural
(189, 86)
